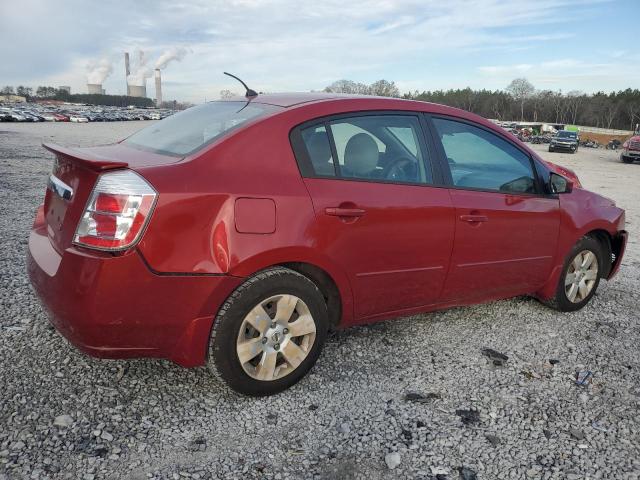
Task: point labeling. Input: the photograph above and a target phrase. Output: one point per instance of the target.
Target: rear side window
(384, 148)
(479, 159)
(189, 131)
(316, 141)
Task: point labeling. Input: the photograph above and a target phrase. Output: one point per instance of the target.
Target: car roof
(293, 99)
(287, 100)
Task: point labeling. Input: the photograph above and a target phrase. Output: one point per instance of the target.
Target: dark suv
(564, 140)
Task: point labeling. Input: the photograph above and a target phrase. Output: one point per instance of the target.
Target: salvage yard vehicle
(631, 149)
(565, 140)
(236, 233)
(78, 118)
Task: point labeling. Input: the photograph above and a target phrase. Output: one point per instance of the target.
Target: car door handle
(344, 212)
(474, 218)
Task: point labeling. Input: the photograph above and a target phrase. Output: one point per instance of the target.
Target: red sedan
(236, 233)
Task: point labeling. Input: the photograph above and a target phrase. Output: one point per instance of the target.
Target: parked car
(78, 118)
(17, 117)
(613, 144)
(631, 149)
(236, 233)
(565, 140)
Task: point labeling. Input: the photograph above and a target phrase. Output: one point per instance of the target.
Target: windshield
(188, 131)
(567, 134)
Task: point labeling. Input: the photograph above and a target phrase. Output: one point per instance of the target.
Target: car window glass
(343, 131)
(383, 147)
(480, 159)
(195, 127)
(407, 136)
(316, 141)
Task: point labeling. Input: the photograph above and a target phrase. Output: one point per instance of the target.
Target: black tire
(626, 159)
(560, 301)
(223, 359)
(550, 149)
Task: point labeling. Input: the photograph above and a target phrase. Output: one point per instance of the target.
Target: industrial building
(10, 98)
(95, 88)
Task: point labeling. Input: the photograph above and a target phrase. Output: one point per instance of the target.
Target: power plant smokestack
(93, 88)
(127, 70)
(158, 88)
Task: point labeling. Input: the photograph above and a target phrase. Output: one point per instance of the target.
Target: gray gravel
(411, 398)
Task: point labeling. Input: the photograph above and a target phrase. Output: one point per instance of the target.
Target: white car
(78, 119)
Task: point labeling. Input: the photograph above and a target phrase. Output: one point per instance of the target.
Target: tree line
(52, 93)
(520, 100)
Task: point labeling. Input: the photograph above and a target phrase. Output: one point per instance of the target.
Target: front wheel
(550, 149)
(626, 159)
(269, 332)
(580, 276)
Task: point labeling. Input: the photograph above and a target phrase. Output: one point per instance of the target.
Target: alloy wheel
(581, 277)
(275, 337)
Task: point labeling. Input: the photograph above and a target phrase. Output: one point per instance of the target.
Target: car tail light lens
(117, 211)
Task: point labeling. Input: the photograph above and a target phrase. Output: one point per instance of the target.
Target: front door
(506, 230)
(379, 216)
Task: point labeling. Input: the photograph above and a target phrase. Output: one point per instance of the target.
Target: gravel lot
(65, 415)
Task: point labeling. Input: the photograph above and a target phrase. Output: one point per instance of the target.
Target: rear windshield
(188, 131)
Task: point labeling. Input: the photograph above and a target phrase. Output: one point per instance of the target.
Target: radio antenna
(249, 93)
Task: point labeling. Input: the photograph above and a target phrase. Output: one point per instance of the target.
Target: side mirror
(559, 184)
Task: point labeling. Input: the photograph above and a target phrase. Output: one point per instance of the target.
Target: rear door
(506, 227)
(379, 215)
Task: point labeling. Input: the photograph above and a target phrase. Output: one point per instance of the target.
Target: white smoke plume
(139, 71)
(97, 72)
(174, 53)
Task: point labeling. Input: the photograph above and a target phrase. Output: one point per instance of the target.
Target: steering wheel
(402, 168)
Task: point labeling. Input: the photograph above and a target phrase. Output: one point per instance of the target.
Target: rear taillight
(117, 212)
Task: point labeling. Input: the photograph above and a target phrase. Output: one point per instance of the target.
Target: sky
(294, 45)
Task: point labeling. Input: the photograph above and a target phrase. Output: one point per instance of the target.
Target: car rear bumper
(116, 307)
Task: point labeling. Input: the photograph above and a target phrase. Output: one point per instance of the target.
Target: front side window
(190, 130)
(384, 148)
(479, 159)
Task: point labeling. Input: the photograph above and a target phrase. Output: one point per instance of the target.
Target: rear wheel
(269, 332)
(626, 159)
(580, 276)
(550, 149)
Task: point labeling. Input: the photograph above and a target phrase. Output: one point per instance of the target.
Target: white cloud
(518, 69)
